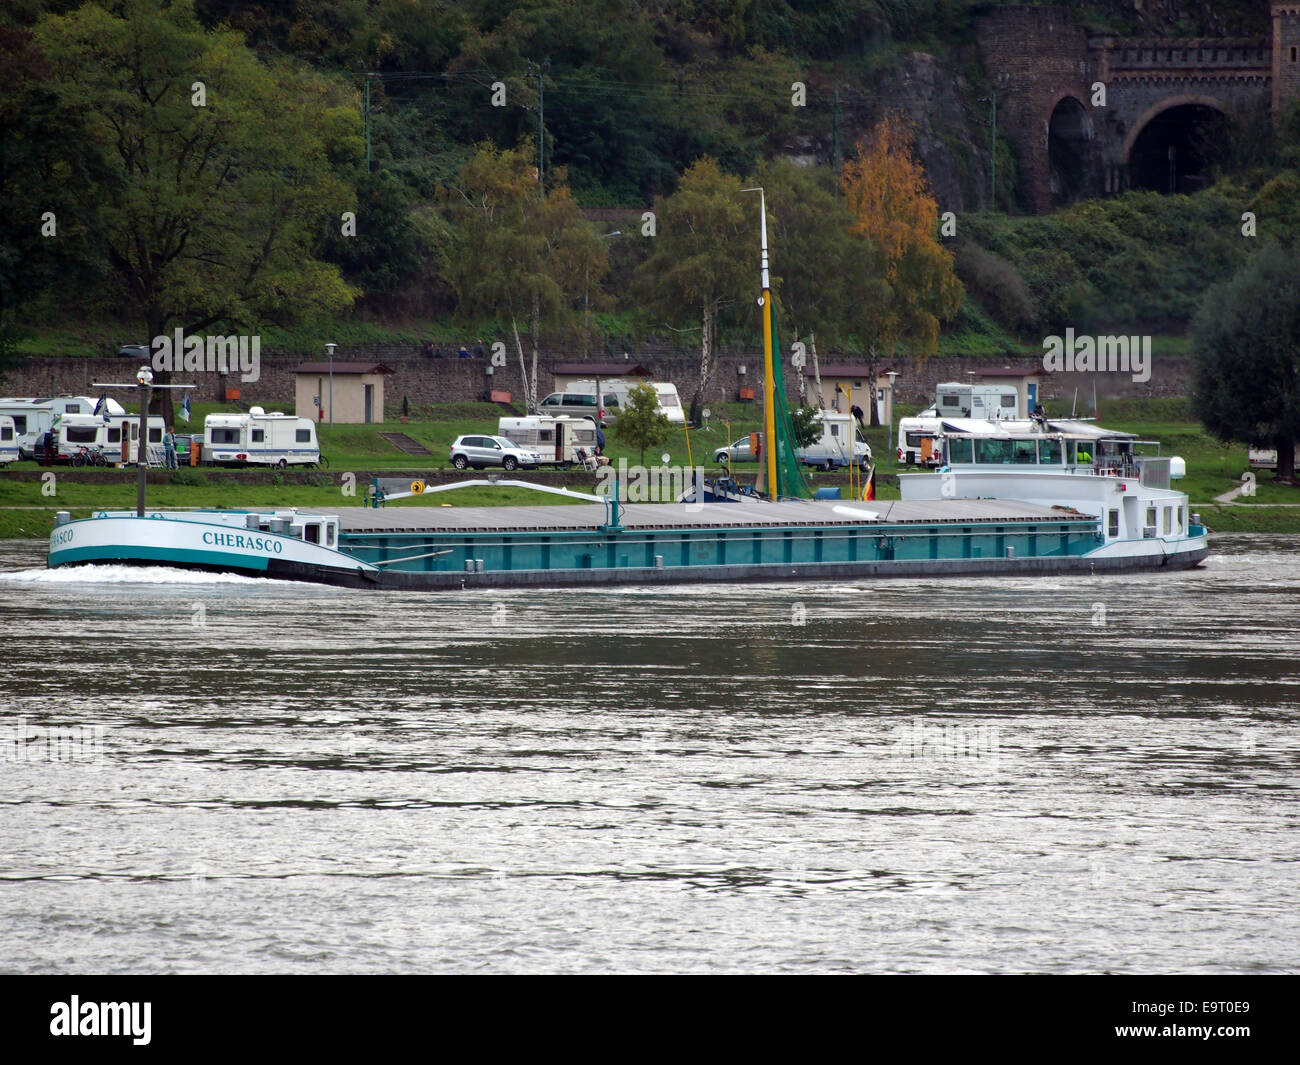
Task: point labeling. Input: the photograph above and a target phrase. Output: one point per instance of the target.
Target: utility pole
(541, 121)
(144, 384)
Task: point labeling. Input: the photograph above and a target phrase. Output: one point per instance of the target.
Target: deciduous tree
(1245, 346)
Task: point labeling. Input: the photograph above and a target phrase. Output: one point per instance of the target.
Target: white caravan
(33, 417)
(260, 439)
(920, 441)
(669, 401)
(8, 440)
(118, 437)
(994, 402)
(558, 439)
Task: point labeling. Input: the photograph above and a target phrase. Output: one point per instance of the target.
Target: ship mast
(769, 357)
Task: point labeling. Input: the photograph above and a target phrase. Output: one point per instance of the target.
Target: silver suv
(480, 451)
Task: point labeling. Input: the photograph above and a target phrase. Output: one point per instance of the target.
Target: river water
(966, 775)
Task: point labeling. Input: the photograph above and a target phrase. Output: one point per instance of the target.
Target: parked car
(737, 452)
(135, 351)
(480, 451)
(581, 405)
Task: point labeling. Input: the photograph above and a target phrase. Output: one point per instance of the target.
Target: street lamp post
(330, 349)
(889, 439)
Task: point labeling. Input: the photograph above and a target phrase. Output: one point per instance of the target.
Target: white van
(118, 437)
(841, 443)
(260, 439)
(559, 439)
(8, 440)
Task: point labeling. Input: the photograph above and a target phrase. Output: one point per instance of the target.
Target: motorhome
(260, 439)
(8, 440)
(841, 443)
(33, 417)
(560, 439)
(994, 402)
(117, 437)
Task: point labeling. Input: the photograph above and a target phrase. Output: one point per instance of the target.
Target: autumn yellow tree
(905, 278)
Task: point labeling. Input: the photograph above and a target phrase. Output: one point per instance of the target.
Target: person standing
(169, 447)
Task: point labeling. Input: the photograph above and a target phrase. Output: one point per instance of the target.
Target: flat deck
(397, 518)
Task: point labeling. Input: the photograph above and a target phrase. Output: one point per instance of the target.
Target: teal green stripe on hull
(162, 555)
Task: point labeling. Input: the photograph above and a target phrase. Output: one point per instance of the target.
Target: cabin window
(259, 436)
(949, 401)
(20, 424)
(835, 431)
(225, 436)
(329, 535)
(72, 408)
(155, 434)
(1151, 517)
(547, 436)
(6, 432)
(114, 435)
(1112, 523)
(1008, 401)
(913, 439)
(1049, 452)
(1168, 519)
(135, 430)
(311, 533)
(302, 436)
(81, 434)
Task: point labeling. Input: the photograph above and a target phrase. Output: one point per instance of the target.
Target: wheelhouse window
(1024, 452)
(1112, 523)
(994, 452)
(959, 449)
(1049, 452)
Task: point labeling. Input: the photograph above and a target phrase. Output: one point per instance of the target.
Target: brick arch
(1069, 94)
(1151, 112)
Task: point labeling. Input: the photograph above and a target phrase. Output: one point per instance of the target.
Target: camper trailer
(991, 402)
(8, 440)
(920, 441)
(560, 439)
(117, 438)
(260, 439)
(616, 390)
(33, 417)
(841, 443)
